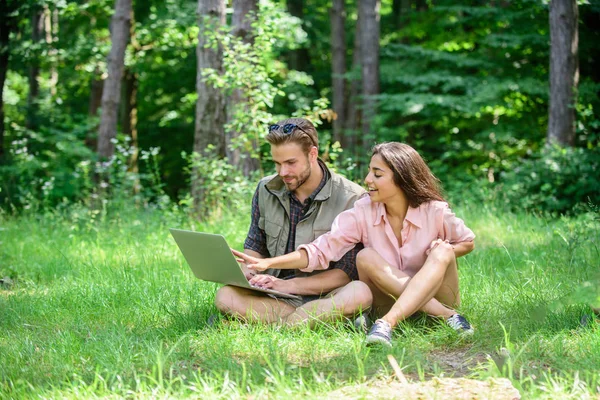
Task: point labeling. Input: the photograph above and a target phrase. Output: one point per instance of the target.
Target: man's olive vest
(338, 194)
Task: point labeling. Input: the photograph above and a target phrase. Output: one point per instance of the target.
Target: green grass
(103, 305)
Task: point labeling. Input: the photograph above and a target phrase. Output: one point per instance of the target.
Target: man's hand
(252, 263)
(270, 282)
(248, 273)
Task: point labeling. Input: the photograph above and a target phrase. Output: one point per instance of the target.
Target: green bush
(554, 180)
(46, 166)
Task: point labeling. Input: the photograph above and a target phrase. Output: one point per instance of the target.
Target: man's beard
(302, 178)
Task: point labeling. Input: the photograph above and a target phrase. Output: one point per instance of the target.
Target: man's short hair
(303, 133)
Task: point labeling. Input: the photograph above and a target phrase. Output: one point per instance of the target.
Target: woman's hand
(435, 244)
(252, 263)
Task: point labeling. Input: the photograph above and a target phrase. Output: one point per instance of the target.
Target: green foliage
(223, 186)
(47, 166)
(555, 179)
(467, 85)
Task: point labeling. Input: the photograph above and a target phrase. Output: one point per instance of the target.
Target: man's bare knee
(355, 296)
(363, 297)
(225, 298)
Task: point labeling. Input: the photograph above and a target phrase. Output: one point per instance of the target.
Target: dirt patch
(436, 388)
(457, 363)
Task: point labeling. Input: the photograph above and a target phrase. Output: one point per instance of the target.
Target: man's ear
(313, 153)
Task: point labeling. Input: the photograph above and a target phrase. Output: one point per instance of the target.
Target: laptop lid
(210, 259)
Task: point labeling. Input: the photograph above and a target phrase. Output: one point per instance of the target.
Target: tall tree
(400, 12)
(210, 107)
(298, 59)
(338, 66)
(354, 114)
(564, 71)
(7, 24)
(51, 30)
(368, 18)
(129, 115)
(119, 35)
(37, 34)
(244, 13)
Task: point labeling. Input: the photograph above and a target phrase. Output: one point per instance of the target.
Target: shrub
(555, 180)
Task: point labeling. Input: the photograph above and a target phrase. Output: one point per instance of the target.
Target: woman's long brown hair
(411, 173)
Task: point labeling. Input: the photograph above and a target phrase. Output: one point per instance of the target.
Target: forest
(86, 107)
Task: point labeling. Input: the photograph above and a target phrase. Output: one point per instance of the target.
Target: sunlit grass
(103, 304)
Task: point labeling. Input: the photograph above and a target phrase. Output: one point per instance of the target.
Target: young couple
(313, 233)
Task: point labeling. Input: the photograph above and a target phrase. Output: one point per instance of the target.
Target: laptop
(210, 259)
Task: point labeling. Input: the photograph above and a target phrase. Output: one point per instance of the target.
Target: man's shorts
(304, 298)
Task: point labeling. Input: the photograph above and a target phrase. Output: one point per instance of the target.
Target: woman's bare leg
(387, 284)
(422, 288)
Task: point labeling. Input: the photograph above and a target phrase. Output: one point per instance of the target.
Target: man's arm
(323, 282)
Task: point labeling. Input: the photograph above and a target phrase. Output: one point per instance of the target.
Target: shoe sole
(371, 341)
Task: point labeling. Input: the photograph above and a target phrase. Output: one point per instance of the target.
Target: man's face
(292, 165)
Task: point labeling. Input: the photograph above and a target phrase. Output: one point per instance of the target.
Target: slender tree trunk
(298, 59)
(120, 25)
(244, 13)
(400, 12)
(37, 34)
(6, 25)
(129, 115)
(129, 119)
(51, 30)
(564, 71)
(210, 107)
(96, 89)
(369, 33)
(338, 66)
(351, 131)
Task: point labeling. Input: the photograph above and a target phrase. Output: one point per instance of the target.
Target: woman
(411, 240)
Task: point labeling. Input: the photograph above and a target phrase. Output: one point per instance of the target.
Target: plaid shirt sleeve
(348, 262)
(256, 239)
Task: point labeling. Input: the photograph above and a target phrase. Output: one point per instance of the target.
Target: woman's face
(380, 181)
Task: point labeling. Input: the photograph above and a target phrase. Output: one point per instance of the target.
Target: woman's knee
(365, 259)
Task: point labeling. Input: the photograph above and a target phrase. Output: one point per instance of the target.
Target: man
(291, 208)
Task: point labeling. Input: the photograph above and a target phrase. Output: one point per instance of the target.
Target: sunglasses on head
(288, 129)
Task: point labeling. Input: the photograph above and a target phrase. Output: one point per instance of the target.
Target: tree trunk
(129, 115)
(244, 13)
(96, 89)
(129, 119)
(119, 36)
(338, 66)
(298, 59)
(37, 34)
(351, 131)
(51, 30)
(400, 12)
(6, 25)
(210, 107)
(369, 33)
(564, 71)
